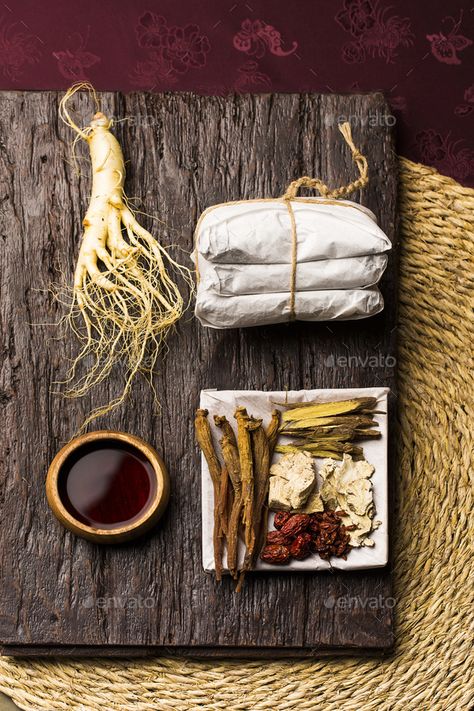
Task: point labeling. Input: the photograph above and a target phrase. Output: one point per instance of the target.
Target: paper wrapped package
(263, 309)
(325, 274)
(268, 261)
(244, 259)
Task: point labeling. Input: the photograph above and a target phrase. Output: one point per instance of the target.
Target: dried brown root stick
(273, 431)
(223, 423)
(227, 491)
(204, 439)
(245, 425)
(262, 536)
(261, 461)
(224, 492)
(230, 454)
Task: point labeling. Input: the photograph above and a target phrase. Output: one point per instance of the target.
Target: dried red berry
(279, 538)
(296, 524)
(281, 517)
(275, 554)
(329, 535)
(300, 548)
(314, 523)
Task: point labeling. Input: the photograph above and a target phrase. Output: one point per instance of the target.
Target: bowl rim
(151, 513)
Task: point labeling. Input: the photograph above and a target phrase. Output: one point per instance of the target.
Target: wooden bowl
(144, 520)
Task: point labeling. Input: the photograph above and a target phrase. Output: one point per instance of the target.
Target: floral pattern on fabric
(446, 154)
(421, 60)
(74, 61)
(171, 50)
(445, 47)
(255, 37)
(19, 49)
(377, 33)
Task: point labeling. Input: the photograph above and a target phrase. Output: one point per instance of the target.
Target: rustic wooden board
(61, 594)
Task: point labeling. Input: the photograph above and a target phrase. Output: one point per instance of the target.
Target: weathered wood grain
(59, 592)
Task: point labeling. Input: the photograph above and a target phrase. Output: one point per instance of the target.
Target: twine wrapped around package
(271, 260)
(315, 183)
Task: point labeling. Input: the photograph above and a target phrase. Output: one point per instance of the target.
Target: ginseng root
(124, 301)
(204, 439)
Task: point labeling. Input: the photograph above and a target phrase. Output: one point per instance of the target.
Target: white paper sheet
(264, 309)
(245, 248)
(259, 232)
(324, 274)
(260, 404)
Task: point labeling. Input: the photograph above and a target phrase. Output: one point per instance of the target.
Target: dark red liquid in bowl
(107, 484)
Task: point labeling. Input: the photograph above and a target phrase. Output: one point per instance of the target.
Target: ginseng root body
(124, 300)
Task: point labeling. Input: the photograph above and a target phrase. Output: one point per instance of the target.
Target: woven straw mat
(431, 667)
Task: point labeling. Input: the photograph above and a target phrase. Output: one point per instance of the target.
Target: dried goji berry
(329, 535)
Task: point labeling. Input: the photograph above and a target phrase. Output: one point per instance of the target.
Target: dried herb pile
(297, 536)
(329, 429)
(240, 475)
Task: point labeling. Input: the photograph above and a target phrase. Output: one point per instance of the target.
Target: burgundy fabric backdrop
(419, 54)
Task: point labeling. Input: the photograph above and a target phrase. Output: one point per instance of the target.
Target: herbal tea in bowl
(108, 487)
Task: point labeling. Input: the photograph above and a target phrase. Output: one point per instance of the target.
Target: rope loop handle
(343, 190)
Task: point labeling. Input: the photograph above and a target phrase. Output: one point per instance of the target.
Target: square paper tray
(260, 404)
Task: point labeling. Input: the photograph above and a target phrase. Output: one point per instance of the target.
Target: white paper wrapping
(260, 404)
(263, 309)
(324, 274)
(244, 258)
(259, 232)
